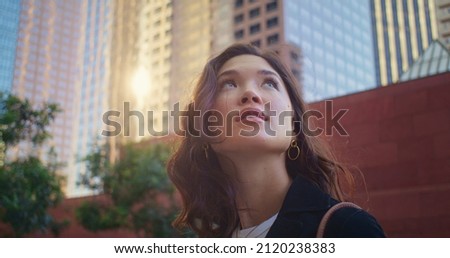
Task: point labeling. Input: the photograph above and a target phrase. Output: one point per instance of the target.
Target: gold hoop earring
(295, 147)
(205, 148)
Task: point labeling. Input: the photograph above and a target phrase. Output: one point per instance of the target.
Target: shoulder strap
(329, 213)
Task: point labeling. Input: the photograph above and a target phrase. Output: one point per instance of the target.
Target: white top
(258, 231)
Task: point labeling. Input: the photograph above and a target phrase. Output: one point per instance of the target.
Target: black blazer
(303, 208)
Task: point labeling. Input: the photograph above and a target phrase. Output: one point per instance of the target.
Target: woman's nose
(251, 96)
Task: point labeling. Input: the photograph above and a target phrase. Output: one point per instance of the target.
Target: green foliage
(20, 121)
(139, 175)
(95, 216)
(27, 190)
(134, 184)
(27, 186)
(98, 168)
(154, 221)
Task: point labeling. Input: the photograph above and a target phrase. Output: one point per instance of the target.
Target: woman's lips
(252, 118)
(252, 115)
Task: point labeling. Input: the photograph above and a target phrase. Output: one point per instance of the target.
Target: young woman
(246, 167)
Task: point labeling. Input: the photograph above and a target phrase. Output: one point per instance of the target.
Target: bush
(133, 184)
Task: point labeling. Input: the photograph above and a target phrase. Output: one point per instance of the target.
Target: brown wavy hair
(208, 193)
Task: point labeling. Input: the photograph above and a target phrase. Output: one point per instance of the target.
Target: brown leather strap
(329, 213)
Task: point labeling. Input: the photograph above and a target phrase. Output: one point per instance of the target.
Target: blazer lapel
(302, 210)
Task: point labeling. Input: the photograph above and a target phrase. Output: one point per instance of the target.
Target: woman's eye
(229, 84)
(270, 84)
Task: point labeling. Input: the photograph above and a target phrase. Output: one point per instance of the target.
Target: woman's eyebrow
(267, 72)
(228, 72)
(260, 72)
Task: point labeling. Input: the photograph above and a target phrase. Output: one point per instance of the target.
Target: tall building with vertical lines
(443, 19)
(200, 29)
(62, 56)
(47, 67)
(403, 29)
(126, 52)
(91, 94)
(140, 68)
(9, 25)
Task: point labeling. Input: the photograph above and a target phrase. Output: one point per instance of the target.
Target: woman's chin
(252, 144)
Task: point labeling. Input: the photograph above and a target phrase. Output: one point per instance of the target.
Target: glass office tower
(9, 25)
(335, 38)
(47, 69)
(91, 95)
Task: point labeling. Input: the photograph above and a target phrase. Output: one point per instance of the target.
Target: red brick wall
(399, 137)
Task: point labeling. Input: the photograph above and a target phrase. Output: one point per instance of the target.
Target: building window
(272, 22)
(254, 13)
(238, 3)
(255, 28)
(239, 34)
(272, 39)
(238, 18)
(271, 6)
(256, 43)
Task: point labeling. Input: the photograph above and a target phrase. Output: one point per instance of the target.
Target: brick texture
(400, 141)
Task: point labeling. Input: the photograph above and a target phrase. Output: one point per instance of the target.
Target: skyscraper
(200, 30)
(262, 24)
(126, 49)
(443, 19)
(327, 44)
(140, 68)
(403, 29)
(91, 93)
(9, 25)
(47, 66)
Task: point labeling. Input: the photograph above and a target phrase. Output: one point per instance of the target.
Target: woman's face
(255, 107)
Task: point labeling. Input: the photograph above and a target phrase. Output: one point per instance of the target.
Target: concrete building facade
(443, 20)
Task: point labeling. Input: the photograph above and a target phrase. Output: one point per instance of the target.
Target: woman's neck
(262, 183)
